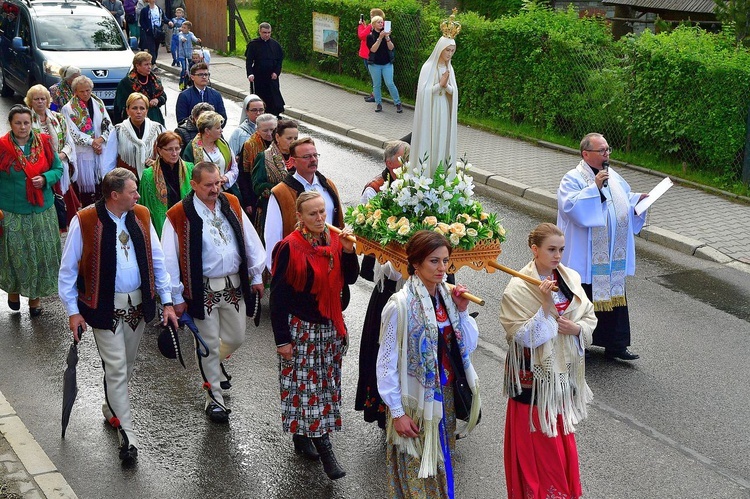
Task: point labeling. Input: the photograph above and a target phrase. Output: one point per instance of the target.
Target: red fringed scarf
(38, 161)
(328, 280)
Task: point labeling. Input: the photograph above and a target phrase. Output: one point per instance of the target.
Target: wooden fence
(209, 18)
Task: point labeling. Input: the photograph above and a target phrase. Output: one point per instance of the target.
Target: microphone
(605, 167)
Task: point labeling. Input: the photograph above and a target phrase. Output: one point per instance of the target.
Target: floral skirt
(30, 253)
(538, 466)
(403, 469)
(310, 383)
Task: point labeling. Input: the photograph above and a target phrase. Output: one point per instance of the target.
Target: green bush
(491, 8)
(690, 97)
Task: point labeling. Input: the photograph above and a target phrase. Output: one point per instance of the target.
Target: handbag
(462, 394)
(62, 211)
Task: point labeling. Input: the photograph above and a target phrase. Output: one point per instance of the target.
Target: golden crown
(450, 27)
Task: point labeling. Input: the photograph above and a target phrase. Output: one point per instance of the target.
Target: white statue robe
(435, 114)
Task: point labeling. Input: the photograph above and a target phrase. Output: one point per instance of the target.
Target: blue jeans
(384, 71)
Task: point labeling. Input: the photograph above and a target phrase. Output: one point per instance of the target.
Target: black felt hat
(169, 343)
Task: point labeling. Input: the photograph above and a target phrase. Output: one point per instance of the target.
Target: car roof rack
(63, 3)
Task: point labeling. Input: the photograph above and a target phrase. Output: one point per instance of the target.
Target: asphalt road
(671, 425)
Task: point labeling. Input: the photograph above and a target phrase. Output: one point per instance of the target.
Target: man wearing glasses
(281, 211)
(199, 92)
(595, 210)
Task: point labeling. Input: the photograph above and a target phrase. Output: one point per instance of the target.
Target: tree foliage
(736, 15)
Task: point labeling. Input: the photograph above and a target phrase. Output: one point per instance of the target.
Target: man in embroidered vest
(215, 259)
(595, 210)
(281, 213)
(112, 269)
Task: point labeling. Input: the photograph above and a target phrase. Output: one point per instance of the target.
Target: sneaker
(399, 109)
(370, 98)
(378, 108)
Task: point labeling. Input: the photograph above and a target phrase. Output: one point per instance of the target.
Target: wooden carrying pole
(468, 296)
(515, 273)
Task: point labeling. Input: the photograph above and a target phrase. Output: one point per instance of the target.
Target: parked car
(37, 37)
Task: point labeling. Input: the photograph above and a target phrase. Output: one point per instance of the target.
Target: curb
(493, 182)
(38, 465)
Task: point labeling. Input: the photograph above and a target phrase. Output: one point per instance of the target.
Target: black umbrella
(201, 348)
(70, 386)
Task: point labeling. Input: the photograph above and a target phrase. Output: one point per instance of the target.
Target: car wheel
(5, 90)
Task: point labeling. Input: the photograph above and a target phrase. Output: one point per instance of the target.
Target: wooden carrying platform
(478, 258)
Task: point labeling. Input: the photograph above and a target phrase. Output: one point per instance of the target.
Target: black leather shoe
(217, 414)
(370, 98)
(623, 354)
(226, 384)
(304, 447)
(35, 311)
(128, 454)
(14, 305)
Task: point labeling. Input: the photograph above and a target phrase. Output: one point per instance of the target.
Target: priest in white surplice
(595, 210)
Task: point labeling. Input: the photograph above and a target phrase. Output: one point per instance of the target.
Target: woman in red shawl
(29, 239)
(310, 267)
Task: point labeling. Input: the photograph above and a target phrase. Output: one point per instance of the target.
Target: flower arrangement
(415, 201)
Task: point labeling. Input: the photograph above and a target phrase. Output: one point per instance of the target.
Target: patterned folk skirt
(30, 253)
(310, 383)
(403, 469)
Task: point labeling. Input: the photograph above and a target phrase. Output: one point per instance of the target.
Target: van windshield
(79, 33)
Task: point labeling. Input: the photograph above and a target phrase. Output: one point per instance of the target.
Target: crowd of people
(197, 226)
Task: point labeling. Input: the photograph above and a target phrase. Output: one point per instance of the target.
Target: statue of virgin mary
(435, 112)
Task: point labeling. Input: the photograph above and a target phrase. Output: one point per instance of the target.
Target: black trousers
(613, 328)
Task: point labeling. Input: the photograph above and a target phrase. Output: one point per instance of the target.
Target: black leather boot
(304, 447)
(330, 465)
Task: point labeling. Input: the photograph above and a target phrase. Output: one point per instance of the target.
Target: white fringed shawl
(559, 386)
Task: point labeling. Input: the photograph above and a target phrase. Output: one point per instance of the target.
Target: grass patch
(249, 16)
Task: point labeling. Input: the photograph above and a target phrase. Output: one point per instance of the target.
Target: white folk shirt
(219, 248)
(274, 230)
(127, 274)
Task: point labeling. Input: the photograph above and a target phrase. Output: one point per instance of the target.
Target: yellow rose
(378, 213)
(471, 232)
(431, 221)
(360, 219)
(402, 221)
(391, 220)
(458, 228)
(501, 231)
(444, 228)
(483, 216)
(404, 229)
(455, 239)
(490, 234)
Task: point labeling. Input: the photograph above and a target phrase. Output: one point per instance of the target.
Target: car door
(21, 62)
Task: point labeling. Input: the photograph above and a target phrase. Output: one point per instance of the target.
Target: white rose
(403, 230)
(455, 239)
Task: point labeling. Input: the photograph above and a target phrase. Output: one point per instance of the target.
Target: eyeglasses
(308, 157)
(202, 75)
(602, 151)
(256, 110)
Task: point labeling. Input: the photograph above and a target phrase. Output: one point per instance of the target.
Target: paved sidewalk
(686, 219)
(25, 470)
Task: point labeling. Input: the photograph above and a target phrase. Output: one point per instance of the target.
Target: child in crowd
(186, 39)
(178, 20)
